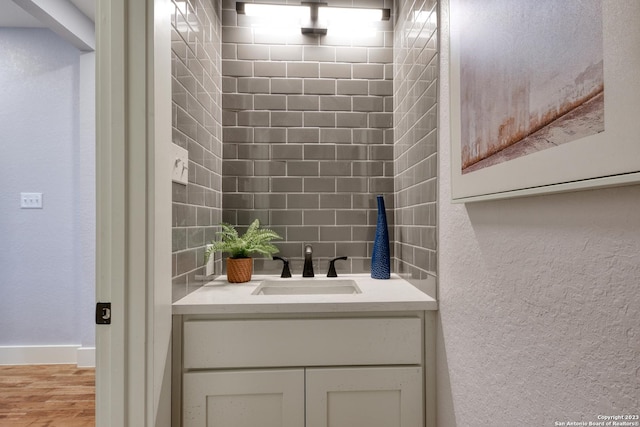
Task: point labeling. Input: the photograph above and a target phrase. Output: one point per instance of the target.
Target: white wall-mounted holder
(180, 165)
(208, 267)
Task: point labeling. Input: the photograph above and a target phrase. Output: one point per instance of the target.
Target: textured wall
(415, 119)
(539, 303)
(308, 138)
(197, 126)
(47, 255)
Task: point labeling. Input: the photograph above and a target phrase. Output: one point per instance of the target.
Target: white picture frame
(608, 158)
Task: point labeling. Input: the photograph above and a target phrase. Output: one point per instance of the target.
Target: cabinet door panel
(371, 397)
(244, 398)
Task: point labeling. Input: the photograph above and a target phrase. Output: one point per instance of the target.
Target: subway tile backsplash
(415, 126)
(303, 132)
(197, 126)
(305, 117)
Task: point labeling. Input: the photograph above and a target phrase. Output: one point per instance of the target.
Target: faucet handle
(285, 266)
(332, 266)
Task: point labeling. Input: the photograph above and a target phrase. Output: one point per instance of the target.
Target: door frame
(133, 212)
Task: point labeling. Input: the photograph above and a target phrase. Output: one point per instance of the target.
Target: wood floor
(47, 396)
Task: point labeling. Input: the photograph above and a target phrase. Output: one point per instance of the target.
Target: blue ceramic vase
(381, 260)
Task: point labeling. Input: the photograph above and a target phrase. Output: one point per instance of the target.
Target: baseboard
(86, 357)
(47, 355)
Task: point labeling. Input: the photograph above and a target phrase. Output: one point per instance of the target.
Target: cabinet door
(364, 397)
(269, 398)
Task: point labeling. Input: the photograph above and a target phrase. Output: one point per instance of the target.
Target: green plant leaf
(254, 240)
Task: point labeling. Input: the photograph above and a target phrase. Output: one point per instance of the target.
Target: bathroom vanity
(350, 351)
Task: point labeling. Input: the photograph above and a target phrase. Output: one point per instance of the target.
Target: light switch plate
(30, 200)
(180, 165)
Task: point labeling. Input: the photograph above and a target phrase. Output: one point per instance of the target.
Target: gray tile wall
(415, 117)
(197, 126)
(308, 136)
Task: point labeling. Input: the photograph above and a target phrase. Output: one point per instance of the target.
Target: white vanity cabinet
(319, 371)
(342, 397)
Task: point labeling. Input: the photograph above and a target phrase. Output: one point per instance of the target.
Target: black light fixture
(314, 26)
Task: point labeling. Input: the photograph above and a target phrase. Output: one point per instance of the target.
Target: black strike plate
(103, 313)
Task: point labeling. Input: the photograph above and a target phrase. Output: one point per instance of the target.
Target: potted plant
(240, 248)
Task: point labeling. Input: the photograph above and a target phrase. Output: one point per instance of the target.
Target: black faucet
(332, 266)
(307, 271)
(286, 272)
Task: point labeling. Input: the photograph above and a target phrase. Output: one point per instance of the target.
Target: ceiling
(12, 15)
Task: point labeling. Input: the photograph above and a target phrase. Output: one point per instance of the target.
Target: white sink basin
(307, 287)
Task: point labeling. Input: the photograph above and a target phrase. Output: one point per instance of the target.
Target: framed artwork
(545, 96)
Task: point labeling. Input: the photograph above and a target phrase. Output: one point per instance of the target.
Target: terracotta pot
(239, 270)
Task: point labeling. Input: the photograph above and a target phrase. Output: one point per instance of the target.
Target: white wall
(47, 139)
(539, 302)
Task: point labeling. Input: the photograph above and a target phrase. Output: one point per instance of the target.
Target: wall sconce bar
(312, 16)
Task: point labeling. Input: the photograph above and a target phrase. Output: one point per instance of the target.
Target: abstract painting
(534, 81)
(531, 89)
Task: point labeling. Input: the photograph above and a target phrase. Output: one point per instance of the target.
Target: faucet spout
(307, 270)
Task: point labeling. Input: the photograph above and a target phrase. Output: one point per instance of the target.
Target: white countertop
(221, 297)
